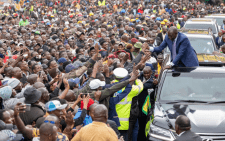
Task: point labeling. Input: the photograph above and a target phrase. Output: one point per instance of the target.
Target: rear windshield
(201, 26)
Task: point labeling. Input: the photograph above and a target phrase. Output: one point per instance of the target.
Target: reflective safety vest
(101, 3)
(124, 106)
(178, 26)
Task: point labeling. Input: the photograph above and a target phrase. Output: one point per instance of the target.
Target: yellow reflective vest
(178, 26)
(124, 106)
(101, 3)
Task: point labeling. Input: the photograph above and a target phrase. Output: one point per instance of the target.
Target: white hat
(13, 82)
(20, 44)
(96, 83)
(54, 105)
(120, 72)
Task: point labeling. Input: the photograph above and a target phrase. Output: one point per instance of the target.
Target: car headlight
(160, 133)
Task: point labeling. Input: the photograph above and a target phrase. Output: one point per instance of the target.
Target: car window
(201, 26)
(193, 86)
(202, 45)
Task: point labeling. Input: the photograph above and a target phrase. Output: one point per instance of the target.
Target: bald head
(100, 113)
(172, 33)
(70, 96)
(48, 131)
(147, 68)
(173, 29)
(38, 85)
(32, 79)
(183, 123)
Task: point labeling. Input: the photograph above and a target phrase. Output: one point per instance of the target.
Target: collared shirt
(164, 35)
(181, 133)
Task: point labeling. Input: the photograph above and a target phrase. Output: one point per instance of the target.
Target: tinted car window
(201, 26)
(193, 86)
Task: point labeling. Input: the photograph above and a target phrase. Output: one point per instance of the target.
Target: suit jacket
(188, 136)
(220, 44)
(217, 39)
(182, 24)
(184, 50)
(142, 96)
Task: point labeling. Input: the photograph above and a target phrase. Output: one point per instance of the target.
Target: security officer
(123, 108)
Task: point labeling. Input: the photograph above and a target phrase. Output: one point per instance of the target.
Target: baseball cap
(12, 42)
(96, 83)
(77, 64)
(54, 105)
(76, 80)
(62, 60)
(31, 95)
(7, 135)
(69, 68)
(44, 66)
(134, 40)
(138, 45)
(13, 82)
(120, 72)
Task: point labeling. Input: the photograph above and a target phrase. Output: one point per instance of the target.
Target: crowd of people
(83, 70)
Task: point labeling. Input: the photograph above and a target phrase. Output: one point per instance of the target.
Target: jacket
(142, 96)
(184, 51)
(123, 108)
(114, 100)
(188, 136)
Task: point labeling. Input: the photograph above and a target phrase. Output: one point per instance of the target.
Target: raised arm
(27, 132)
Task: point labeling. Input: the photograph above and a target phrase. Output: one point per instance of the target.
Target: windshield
(201, 26)
(219, 20)
(193, 86)
(200, 45)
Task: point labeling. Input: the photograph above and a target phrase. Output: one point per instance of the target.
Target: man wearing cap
(137, 47)
(182, 53)
(123, 108)
(119, 73)
(32, 96)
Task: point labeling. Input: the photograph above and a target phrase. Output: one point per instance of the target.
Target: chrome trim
(211, 134)
(160, 137)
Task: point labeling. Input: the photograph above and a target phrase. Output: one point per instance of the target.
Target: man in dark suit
(182, 127)
(182, 53)
(149, 82)
(161, 36)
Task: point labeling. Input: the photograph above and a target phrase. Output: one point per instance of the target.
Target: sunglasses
(52, 122)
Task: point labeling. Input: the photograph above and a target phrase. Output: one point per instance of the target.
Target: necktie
(174, 50)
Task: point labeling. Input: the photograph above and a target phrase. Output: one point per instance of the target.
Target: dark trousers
(124, 133)
(132, 123)
(142, 123)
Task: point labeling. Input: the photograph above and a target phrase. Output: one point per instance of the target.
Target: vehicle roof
(199, 69)
(198, 35)
(217, 15)
(201, 20)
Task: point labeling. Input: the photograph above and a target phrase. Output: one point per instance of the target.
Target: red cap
(111, 56)
(27, 17)
(183, 16)
(134, 40)
(89, 104)
(71, 16)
